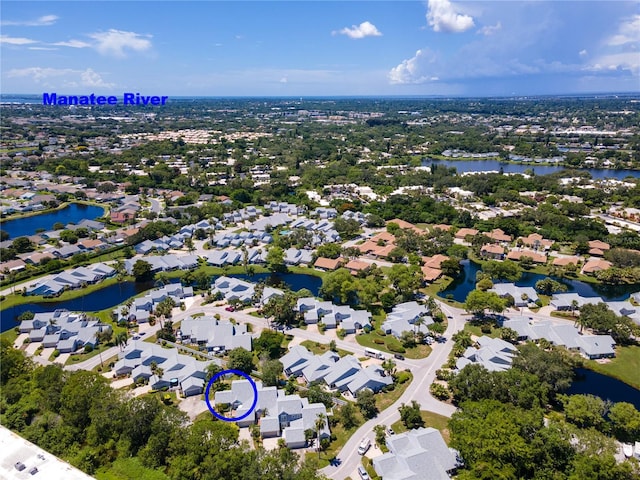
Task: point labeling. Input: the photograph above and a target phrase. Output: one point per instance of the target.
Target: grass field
(319, 348)
(384, 400)
(439, 422)
(624, 367)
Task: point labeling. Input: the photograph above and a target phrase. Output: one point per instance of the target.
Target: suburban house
(215, 335)
(565, 335)
(236, 290)
(594, 265)
(522, 296)
(332, 316)
(328, 264)
(408, 316)
(342, 374)
(139, 359)
(597, 248)
(53, 285)
(463, 233)
(419, 454)
(536, 242)
(494, 354)
(493, 251)
(521, 253)
(64, 330)
(277, 414)
(143, 306)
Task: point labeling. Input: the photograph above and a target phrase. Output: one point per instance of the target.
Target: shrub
(381, 332)
(56, 353)
(396, 348)
(485, 328)
(341, 333)
(403, 377)
(444, 374)
(378, 341)
(321, 327)
(439, 391)
(88, 348)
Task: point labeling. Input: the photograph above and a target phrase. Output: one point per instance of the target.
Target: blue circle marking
(231, 372)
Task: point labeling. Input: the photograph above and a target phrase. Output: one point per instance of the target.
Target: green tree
(271, 372)
(340, 285)
(584, 410)
(548, 286)
(347, 414)
(625, 421)
(269, 342)
(367, 403)
(410, 415)
(275, 259)
(477, 302)
(142, 271)
(240, 359)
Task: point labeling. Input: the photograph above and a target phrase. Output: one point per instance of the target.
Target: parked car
(398, 356)
(390, 431)
(363, 473)
(230, 309)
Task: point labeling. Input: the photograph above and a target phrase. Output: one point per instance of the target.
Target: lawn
(476, 330)
(342, 436)
(624, 367)
(385, 399)
(319, 348)
(439, 422)
(391, 344)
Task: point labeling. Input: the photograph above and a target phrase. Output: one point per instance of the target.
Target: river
(539, 169)
(73, 213)
(466, 282)
(118, 293)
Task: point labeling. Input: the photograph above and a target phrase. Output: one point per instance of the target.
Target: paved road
(156, 205)
(423, 376)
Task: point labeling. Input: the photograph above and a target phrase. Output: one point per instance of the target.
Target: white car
(363, 473)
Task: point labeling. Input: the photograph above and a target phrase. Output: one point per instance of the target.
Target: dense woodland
(80, 418)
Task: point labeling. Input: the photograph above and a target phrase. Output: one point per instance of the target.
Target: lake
(72, 213)
(607, 388)
(496, 165)
(118, 293)
(466, 282)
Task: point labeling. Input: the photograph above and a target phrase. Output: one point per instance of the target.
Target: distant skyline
(320, 48)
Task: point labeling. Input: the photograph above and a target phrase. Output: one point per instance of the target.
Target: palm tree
(574, 306)
(320, 422)
(121, 340)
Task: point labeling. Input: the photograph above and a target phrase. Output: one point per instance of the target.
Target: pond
(73, 213)
(607, 388)
(466, 282)
(118, 293)
(496, 165)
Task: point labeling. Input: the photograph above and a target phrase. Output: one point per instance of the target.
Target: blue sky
(435, 47)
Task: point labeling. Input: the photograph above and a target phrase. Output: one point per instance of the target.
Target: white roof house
(565, 335)
(404, 316)
(214, 334)
(517, 293)
(494, 354)
(419, 454)
(286, 415)
(188, 372)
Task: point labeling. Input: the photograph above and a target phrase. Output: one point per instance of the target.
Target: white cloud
(284, 80)
(89, 78)
(42, 48)
(583, 53)
(6, 39)
(67, 77)
(490, 29)
(412, 69)
(73, 44)
(116, 42)
(628, 32)
(43, 21)
(444, 16)
(365, 29)
(629, 61)
(37, 74)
